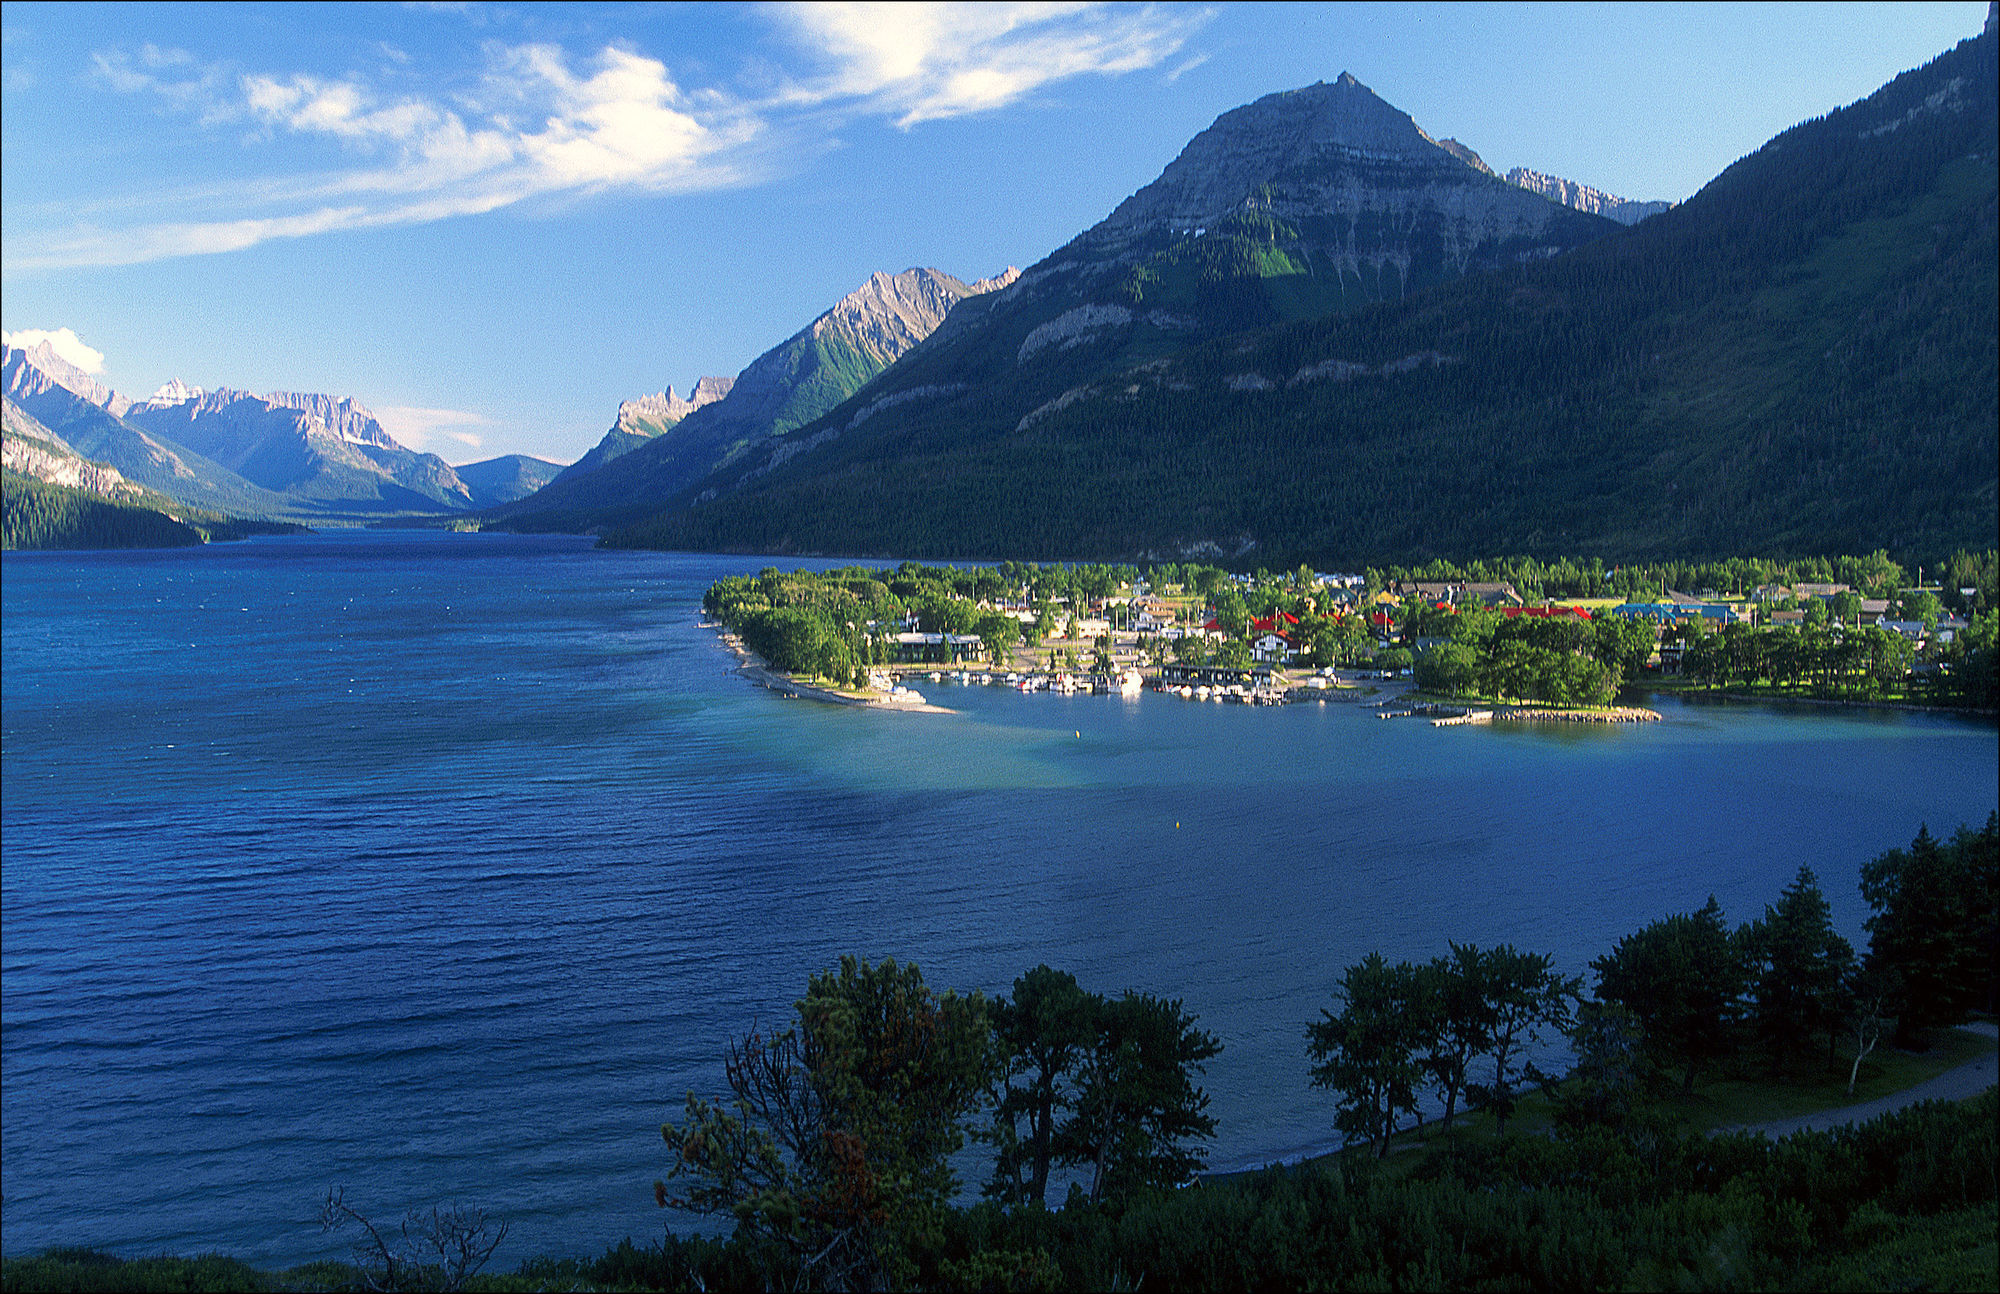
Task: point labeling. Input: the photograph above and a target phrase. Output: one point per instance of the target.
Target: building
(1271, 648)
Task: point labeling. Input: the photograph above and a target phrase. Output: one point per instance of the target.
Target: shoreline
(755, 668)
(1731, 694)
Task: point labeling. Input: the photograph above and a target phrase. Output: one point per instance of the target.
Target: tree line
(41, 515)
(835, 1155)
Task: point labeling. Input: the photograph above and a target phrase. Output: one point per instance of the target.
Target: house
(1271, 648)
(1493, 595)
(1278, 622)
(1819, 590)
(937, 648)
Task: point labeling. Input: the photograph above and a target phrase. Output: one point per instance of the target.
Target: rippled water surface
(442, 867)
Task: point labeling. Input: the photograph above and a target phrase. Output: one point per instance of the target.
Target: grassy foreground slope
(1802, 357)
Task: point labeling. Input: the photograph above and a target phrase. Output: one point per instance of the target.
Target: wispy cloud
(917, 63)
(539, 126)
(540, 122)
(63, 342)
(419, 428)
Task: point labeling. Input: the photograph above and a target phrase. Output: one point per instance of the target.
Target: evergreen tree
(1683, 978)
(1800, 967)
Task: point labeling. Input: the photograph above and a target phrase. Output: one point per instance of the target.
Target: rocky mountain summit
(787, 386)
(640, 420)
(649, 415)
(1338, 187)
(83, 414)
(38, 371)
(1582, 197)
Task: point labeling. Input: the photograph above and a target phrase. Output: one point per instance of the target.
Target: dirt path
(1969, 1079)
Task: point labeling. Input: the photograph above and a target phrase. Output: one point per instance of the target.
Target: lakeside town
(1462, 649)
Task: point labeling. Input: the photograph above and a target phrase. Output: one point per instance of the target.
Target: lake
(441, 867)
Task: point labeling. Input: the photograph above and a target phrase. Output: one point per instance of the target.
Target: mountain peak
(40, 366)
(1247, 148)
(1466, 155)
(650, 414)
(892, 312)
(174, 391)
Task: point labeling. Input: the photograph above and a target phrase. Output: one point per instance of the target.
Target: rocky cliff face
(638, 422)
(1584, 198)
(29, 448)
(1466, 155)
(890, 313)
(649, 415)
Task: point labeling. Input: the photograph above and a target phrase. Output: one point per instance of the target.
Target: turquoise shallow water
(443, 866)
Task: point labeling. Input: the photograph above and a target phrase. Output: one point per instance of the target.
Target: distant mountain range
(1568, 192)
(1322, 335)
(1584, 198)
(290, 455)
(661, 444)
(57, 498)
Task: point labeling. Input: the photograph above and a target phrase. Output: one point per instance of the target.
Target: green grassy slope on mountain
(1803, 357)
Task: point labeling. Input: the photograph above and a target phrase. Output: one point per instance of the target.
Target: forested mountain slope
(1801, 357)
(787, 386)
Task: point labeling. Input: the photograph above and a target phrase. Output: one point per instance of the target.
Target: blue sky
(491, 223)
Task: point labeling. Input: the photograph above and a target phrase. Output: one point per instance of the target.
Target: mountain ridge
(287, 454)
(1693, 382)
(836, 354)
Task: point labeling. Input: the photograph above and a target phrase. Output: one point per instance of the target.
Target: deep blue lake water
(442, 867)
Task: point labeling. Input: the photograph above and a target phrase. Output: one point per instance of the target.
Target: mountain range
(293, 455)
(1303, 203)
(1321, 334)
(660, 445)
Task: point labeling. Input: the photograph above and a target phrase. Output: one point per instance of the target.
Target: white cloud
(919, 63)
(418, 428)
(541, 124)
(63, 342)
(619, 123)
